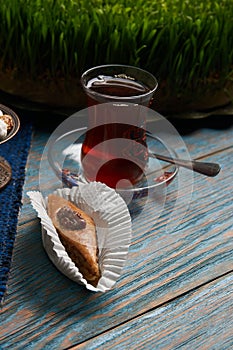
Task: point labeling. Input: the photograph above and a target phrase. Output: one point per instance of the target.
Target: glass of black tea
(114, 150)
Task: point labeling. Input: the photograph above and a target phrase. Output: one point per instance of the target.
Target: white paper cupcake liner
(113, 227)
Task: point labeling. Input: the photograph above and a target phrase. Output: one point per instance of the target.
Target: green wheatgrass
(183, 43)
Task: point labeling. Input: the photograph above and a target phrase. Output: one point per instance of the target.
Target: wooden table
(176, 288)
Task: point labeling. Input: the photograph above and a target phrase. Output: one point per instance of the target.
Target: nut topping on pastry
(70, 219)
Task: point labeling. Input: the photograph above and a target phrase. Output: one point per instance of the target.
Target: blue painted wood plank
(45, 310)
(201, 319)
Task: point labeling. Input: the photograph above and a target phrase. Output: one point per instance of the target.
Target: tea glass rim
(113, 97)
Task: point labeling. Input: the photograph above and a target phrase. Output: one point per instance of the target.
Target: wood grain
(168, 257)
(198, 320)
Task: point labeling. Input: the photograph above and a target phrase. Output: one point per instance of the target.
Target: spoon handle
(208, 169)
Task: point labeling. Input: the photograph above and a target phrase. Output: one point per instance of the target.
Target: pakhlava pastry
(6, 124)
(77, 233)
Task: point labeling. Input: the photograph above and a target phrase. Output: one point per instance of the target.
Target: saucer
(64, 156)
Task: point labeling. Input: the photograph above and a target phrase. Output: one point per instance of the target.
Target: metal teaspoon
(208, 169)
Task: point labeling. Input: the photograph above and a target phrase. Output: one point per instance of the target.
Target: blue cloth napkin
(15, 151)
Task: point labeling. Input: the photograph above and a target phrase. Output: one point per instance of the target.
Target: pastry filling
(69, 219)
